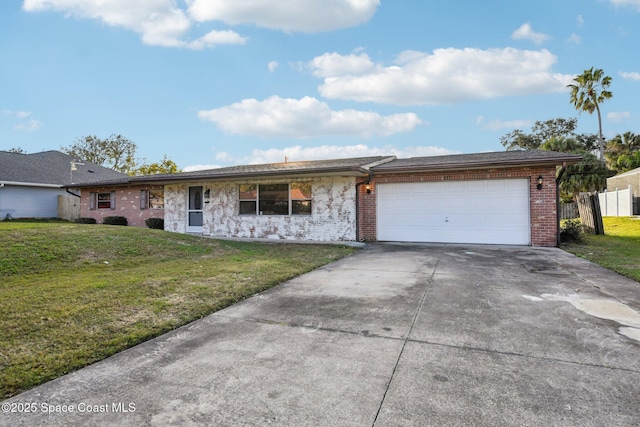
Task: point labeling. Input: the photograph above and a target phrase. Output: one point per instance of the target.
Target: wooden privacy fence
(590, 215)
(569, 210)
(68, 207)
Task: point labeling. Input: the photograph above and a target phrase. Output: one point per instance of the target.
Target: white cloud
(200, 168)
(159, 22)
(304, 118)
(525, 32)
(618, 116)
(443, 77)
(574, 38)
(30, 125)
(580, 21)
(498, 124)
(307, 16)
(271, 66)
(25, 122)
(633, 3)
(22, 114)
(324, 152)
(334, 64)
(630, 76)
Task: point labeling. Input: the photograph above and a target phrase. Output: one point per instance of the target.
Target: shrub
(115, 220)
(155, 223)
(85, 220)
(571, 231)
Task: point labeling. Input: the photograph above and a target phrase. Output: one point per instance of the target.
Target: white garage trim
(483, 211)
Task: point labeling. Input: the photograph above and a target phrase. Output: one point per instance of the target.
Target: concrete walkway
(396, 335)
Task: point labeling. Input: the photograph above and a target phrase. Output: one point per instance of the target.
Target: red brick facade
(127, 204)
(543, 207)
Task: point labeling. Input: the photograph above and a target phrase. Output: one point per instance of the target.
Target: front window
(104, 200)
(248, 199)
(156, 199)
(300, 198)
(275, 199)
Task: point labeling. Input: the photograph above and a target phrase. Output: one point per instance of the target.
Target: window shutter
(112, 200)
(92, 201)
(144, 199)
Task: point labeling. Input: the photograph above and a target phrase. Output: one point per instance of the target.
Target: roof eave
(479, 165)
(355, 171)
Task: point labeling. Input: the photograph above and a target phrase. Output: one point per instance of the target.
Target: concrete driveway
(396, 335)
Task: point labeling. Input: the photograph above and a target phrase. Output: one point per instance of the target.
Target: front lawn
(74, 294)
(617, 250)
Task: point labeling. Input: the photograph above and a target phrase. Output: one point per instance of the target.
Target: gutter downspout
(558, 178)
(72, 193)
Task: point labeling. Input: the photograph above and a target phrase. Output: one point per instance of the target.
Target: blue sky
(223, 82)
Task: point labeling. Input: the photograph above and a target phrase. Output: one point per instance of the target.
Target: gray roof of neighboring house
(50, 168)
(358, 166)
(477, 160)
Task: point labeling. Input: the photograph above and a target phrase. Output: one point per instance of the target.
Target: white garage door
(488, 211)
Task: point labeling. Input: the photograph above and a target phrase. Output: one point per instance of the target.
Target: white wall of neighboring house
(29, 202)
(333, 215)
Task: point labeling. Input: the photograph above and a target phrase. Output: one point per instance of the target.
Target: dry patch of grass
(74, 294)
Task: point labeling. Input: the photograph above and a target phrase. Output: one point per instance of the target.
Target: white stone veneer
(333, 211)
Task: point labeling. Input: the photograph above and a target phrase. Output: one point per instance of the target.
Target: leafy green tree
(588, 91)
(540, 133)
(164, 166)
(116, 152)
(622, 153)
(590, 174)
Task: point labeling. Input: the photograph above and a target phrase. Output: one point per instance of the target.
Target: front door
(194, 210)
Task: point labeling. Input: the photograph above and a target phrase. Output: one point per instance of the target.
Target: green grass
(74, 294)
(617, 250)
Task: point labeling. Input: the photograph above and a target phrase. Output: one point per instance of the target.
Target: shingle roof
(51, 168)
(357, 166)
(477, 160)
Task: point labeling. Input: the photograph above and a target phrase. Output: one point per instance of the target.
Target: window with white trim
(275, 199)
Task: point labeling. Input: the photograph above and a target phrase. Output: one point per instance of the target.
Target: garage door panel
(489, 211)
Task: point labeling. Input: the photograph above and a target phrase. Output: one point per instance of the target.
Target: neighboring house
(495, 198)
(31, 183)
(624, 180)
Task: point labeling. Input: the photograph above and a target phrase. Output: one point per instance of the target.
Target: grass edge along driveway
(73, 294)
(617, 250)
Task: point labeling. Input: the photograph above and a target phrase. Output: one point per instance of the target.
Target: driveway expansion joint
(522, 355)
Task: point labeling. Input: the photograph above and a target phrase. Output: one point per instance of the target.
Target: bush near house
(115, 220)
(571, 230)
(73, 295)
(155, 223)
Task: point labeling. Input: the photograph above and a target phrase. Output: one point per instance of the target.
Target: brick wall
(542, 203)
(127, 204)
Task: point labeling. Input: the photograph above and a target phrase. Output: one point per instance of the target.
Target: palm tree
(587, 93)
